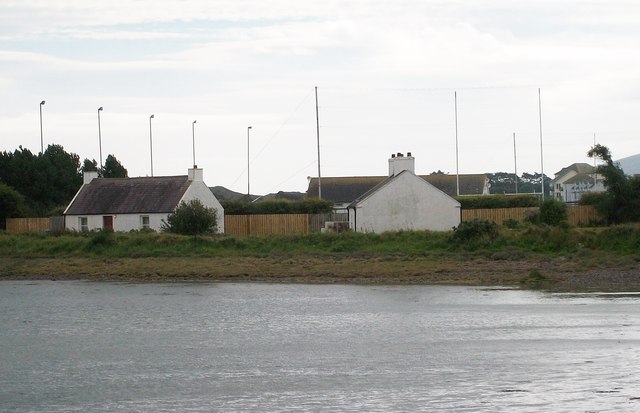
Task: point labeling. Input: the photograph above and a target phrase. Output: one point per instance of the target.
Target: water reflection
(257, 347)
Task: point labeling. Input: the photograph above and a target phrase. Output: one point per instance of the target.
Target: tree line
(43, 184)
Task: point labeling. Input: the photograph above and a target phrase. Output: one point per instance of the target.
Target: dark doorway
(107, 222)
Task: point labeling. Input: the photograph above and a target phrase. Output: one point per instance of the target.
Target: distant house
(400, 201)
(342, 191)
(571, 182)
(124, 204)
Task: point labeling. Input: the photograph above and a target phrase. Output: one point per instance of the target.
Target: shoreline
(553, 274)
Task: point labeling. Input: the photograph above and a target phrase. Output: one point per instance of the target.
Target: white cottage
(403, 201)
(123, 204)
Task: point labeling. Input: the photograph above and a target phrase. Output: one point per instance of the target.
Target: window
(83, 223)
(144, 221)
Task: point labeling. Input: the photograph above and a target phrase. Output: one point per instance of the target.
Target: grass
(531, 256)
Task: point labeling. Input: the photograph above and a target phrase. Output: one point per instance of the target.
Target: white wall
(199, 190)
(406, 203)
(121, 222)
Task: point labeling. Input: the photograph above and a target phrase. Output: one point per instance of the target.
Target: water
(86, 347)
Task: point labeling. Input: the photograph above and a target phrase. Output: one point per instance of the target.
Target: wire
(273, 136)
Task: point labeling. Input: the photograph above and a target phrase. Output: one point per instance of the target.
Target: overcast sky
(386, 73)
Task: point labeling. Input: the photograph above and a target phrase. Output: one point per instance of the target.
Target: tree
(113, 168)
(12, 204)
(191, 218)
(46, 180)
(622, 203)
(89, 165)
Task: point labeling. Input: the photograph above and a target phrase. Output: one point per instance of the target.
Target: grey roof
(580, 178)
(129, 195)
(347, 189)
(580, 168)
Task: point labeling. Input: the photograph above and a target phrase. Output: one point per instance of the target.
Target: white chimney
(88, 176)
(398, 163)
(195, 174)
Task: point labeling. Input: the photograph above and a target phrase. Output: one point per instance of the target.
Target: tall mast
(318, 142)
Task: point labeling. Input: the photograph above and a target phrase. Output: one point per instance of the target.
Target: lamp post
(151, 143)
(41, 135)
(193, 138)
(100, 136)
(248, 188)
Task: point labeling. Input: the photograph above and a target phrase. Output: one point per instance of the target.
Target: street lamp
(248, 191)
(193, 137)
(100, 136)
(151, 143)
(41, 135)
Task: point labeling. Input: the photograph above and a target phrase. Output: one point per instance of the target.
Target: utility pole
(515, 161)
(318, 142)
(541, 156)
(455, 104)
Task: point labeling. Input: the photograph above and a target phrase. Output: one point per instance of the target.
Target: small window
(83, 223)
(144, 221)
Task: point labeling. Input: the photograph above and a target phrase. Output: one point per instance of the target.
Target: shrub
(475, 230)
(191, 218)
(497, 201)
(553, 212)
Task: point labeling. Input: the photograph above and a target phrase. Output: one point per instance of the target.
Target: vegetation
(191, 218)
(47, 181)
(12, 204)
(622, 200)
(544, 239)
(113, 168)
(277, 206)
(475, 232)
(498, 201)
(505, 183)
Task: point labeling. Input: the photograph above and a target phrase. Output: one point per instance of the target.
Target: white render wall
(199, 190)
(406, 203)
(121, 222)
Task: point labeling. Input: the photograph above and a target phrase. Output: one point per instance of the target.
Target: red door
(107, 222)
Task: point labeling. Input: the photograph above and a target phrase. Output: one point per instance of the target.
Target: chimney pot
(408, 153)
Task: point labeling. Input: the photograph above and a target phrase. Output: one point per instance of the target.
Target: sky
(389, 77)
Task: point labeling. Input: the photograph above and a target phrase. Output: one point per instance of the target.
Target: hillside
(630, 165)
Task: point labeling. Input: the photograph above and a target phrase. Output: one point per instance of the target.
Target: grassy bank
(547, 257)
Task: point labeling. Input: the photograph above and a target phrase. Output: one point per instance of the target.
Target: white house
(123, 204)
(403, 201)
(342, 191)
(571, 182)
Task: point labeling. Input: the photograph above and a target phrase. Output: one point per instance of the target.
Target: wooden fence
(22, 225)
(266, 224)
(306, 223)
(576, 214)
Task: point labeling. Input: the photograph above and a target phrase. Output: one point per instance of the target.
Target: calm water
(72, 346)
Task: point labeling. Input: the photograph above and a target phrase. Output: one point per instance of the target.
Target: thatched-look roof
(129, 195)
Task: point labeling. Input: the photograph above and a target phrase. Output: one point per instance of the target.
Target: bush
(553, 212)
(497, 201)
(191, 218)
(277, 206)
(475, 230)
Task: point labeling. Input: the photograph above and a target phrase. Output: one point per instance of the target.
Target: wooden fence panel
(22, 225)
(498, 215)
(576, 214)
(266, 224)
(583, 215)
(317, 221)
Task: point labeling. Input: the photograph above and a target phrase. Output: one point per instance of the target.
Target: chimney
(398, 163)
(88, 176)
(195, 174)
